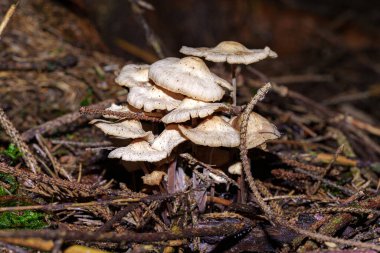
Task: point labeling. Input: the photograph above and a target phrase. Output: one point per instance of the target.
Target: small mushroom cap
(151, 98)
(236, 168)
(212, 132)
(127, 129)
(190, 108)
(188, 76)
(259, 130)
(153, 178)
(231, 52)
(138, 150)
(132, 75)
(170, 138)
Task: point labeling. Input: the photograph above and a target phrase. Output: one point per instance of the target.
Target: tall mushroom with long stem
(233, 53)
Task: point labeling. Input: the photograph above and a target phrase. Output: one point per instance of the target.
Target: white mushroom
(151, 98)
(236, 168)
(231, 52)
(189, 76)
(212, 132)
(168, 139)
(190, 108)
(259, 130)
(153, 178)
(127, 129)
(138, 150)
(132, 75)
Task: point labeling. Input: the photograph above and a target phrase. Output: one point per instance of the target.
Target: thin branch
(223, 229)
(15, 136)
(66, 122)
(8, 17)
(121, 115)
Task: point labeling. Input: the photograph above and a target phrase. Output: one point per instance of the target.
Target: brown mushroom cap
(231, 52)
(190, 108)
(132, 75)
(212, 132)
(138, 150)
(127, 129)
(188, 76)
(259, 130)
(151, 98)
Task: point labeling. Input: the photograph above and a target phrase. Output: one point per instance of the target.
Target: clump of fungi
(191, 105)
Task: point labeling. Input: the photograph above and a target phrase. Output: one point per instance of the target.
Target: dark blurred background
(327, 49)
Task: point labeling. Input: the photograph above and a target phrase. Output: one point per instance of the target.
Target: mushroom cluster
(189, 100)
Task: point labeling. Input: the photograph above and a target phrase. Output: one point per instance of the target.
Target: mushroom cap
(170, 138)
(190, 108)
(259, 130)
(151, 98)
(231, 52)
(153, 178)
(132, 75)
(127, 129)
(236, 168)
(212, 132)
(138, 150)
(189, 76)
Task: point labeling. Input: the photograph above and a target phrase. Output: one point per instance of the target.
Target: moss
(25, 219)
(12, 152)
(10, 181)
(88, 99)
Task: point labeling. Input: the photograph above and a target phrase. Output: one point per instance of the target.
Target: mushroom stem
(234, 74)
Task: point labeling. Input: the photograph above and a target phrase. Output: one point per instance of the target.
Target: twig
(339, 209)
(244, 151)
(12, 132)
(13, 248)
(193, 160)
(326, 171)
(266, 193)
(66, 122)
(82, 144)
(7, 17)
(304, 166)
(117, 218)
(50, 65)
(5, 122)
(252, 184)
(223, 229)
(56, 165)
(345, 190)
(56, 185)
(121, 115)
(150, 36)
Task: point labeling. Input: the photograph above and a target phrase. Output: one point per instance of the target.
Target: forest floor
(58, 189)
